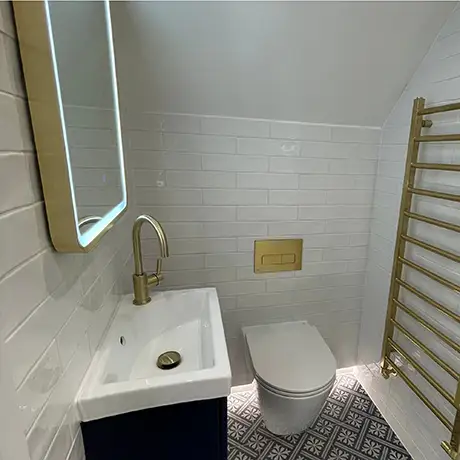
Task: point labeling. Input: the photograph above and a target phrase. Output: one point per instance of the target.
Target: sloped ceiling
(323, 62)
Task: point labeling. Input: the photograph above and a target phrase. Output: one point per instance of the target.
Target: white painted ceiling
(324, 62)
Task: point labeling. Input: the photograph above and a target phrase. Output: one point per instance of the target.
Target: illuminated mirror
(69, 67)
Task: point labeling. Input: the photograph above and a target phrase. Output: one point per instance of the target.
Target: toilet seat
(291, 359)
(290, 394)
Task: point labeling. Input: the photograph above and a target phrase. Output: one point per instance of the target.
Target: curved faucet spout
(141, 280)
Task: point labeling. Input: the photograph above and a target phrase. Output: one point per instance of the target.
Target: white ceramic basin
(123, 375)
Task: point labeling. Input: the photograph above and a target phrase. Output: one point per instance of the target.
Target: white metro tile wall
(54, 307)
(437, 80)
(217, 183)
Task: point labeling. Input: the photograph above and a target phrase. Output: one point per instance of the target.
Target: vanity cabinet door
(189, 430)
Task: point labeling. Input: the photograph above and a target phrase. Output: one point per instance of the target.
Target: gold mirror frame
(39, 66)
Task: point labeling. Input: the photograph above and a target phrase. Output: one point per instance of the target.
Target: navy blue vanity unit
(192, 430)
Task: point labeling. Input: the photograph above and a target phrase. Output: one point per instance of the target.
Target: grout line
(267, 120)
(23, 263)
(73, 445)
(34, 367)
(18, 209)
(21, 97)
(45, 405)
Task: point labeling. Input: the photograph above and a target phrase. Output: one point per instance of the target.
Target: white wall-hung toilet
(294, 370)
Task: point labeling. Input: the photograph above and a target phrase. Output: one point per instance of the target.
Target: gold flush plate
(271, 256)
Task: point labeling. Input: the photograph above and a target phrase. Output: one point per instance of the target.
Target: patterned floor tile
(349, 427)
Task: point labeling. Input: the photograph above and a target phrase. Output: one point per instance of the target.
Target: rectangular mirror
(69, 67)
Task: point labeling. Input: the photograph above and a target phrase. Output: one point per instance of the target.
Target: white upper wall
(323, 62)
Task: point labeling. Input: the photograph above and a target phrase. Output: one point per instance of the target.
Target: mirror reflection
(82, 41)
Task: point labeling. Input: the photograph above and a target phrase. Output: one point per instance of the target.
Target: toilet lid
(291, 356)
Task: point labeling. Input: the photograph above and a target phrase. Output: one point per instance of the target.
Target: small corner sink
(124, 376)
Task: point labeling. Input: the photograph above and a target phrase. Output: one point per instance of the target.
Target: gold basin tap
(142, 281)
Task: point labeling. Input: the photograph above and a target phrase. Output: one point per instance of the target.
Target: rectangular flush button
(277, 255)
(288, 258)
(271, 259)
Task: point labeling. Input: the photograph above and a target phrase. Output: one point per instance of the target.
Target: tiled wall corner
(437, 80)
(55, 307)
(402, 409)
(218, 183)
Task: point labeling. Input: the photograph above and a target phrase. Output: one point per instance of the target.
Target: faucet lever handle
(154, 279)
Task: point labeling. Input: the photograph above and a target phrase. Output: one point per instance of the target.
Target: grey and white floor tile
(349, 427)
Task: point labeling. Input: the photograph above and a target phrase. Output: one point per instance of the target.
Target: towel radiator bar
(388, 366)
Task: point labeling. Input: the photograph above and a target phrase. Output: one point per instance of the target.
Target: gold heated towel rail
(388, 366)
